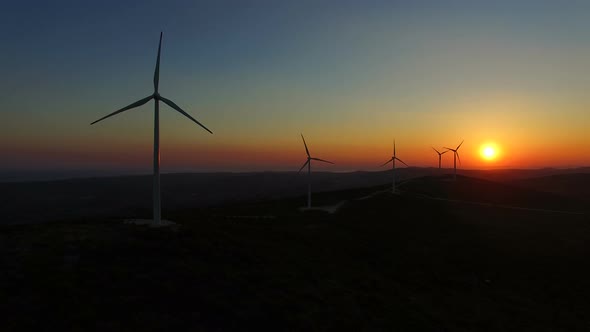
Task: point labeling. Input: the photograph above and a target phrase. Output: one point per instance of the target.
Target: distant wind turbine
(157, 98)
(440, 156)
(456, 156)
(308, 164)
(392, 160)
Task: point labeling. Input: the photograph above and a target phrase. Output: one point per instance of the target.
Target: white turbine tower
(157, 98)
(308, 164)
(440, 156)
(456, 156)
(392, 160)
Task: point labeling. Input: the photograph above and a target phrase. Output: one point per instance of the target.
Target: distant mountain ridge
(131, 196)
(16, 175)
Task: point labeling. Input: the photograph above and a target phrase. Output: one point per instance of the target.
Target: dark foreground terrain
(471, 255)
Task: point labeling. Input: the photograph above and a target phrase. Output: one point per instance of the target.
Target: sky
(350, 75)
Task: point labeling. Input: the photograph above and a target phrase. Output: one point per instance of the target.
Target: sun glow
(489, 152)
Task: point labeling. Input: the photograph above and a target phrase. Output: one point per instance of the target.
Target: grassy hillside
(384, 262)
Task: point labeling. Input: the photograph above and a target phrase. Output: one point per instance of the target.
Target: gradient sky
(349, 75)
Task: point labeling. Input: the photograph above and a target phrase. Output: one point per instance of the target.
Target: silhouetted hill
(508, 175)
(383, 262)
(495, 193)
(131, 196)
(571, 185)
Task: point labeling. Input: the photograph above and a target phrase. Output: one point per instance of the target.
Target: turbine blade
(157, 71)
(387, 162)
(436, 150)
(401, 161)
(449, 149)
(173, 105)
(318, 159)
(135, 104)
(302, 167)
(460, 145)
(394, 147)
(457, 153)
(306, 150)
(444, 152)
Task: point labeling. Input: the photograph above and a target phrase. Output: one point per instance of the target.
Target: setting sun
(489, 152)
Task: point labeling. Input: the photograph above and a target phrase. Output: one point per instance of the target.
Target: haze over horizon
(349, 75)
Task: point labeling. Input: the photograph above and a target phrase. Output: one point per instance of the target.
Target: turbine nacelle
(310, 158)
(440, 153)
(455, 149)
(394, 157)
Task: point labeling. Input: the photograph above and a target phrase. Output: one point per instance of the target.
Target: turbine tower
(439, 155)
(308, 164)
(456, 156)
(392, 160)
(157, 98)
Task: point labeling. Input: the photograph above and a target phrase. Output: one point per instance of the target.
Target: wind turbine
(456, 156)
(308, 163)
(392, 160)
(440, 155)
(157, 98)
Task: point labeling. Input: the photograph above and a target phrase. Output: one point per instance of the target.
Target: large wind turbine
(157, 98)
(439, 155)
(308, 163)
(456, 156)
(392, 160)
